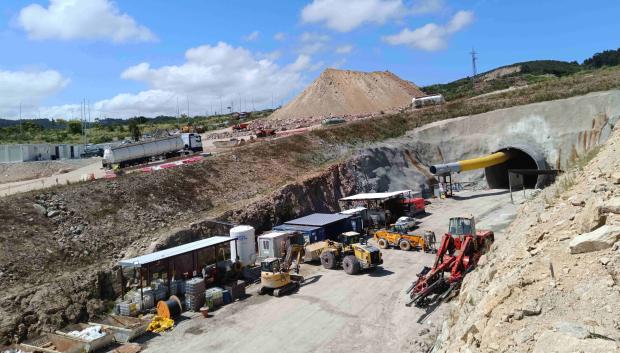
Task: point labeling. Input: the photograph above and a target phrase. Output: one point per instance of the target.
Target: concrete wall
(35, 152)
(560, 131)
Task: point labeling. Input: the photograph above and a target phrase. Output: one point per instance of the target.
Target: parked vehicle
(419, 102)
(335, 120)
(265, 132)
(401, 236)
(239, 127)
(351, 252)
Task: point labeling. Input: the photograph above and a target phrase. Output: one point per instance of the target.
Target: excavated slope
(552, 284)
(342, 92)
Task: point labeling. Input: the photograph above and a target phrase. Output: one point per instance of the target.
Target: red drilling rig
(458, 254)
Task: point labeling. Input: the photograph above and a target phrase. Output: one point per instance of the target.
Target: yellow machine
(351, 254)
(401, 237)
(275, 274)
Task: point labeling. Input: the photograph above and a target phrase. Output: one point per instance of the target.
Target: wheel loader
(351, 254)
(275, 274)
(401, 237)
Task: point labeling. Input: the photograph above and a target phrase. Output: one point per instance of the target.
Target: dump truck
(265, 132)
(350, 253)
(401, 236)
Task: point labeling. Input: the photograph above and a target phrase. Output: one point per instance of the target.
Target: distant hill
(518, 74)
(45, 123)
(342, 92)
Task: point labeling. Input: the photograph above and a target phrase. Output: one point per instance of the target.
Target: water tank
(245, 249)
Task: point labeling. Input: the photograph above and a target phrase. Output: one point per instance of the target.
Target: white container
(245, 248)
(270, 244)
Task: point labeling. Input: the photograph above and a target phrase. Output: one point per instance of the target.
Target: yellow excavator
(276, 276)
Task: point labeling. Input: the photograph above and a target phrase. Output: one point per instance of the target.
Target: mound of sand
(344, 92)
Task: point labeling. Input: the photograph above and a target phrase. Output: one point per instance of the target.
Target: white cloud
(252, 36)
(82, 19)
(280, 36)
(209, 73)
(345, 49)
(27, 88)
(346, 15)
(431, 37)
(422, 7)
(312, 43)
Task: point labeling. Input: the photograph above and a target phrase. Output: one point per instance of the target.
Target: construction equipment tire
(404, 245)
(328, 259)
(351, 265)
(383, 244)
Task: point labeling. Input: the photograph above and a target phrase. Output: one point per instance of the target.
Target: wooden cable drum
(170, 308)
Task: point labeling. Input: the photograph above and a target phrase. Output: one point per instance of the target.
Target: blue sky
(130, 57)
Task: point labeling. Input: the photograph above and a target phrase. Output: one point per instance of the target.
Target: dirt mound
(552, 283)
(344, 92)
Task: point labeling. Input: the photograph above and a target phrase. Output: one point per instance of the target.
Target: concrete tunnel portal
(527, 160)
(521, 157)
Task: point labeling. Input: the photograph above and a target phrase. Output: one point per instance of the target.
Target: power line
(474, 58)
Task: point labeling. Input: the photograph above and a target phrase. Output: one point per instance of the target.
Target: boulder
(591, 217)
(572, 329)
(599, 239)
(555, 342)
(40, 209)
(53, 213)
(612, 206)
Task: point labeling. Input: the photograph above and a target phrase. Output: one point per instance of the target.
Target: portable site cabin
(331, 224)
(12, 153)
(270, 244)
(311, 234)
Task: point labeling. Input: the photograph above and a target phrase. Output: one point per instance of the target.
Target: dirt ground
(335, 312)
(41, 175)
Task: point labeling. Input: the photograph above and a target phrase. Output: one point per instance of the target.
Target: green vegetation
(606, 58)
(521, 74)
(106, 130)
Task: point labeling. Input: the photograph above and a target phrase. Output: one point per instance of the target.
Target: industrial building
(39, 152)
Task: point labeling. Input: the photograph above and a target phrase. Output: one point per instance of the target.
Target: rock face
(591, 217)
(563, 296)
(343, 92)
(554, 342)
(600, 239)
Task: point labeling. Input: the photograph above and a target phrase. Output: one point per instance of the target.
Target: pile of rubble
(553, 283)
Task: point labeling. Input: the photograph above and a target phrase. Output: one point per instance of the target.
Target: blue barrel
(227, 297)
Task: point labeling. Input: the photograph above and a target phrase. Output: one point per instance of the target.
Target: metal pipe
(470, 164)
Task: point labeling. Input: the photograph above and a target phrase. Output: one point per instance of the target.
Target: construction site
(483, 224)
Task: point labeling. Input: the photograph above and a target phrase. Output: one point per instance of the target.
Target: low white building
(39, 152)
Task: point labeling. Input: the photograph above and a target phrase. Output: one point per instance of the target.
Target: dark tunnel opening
(497, 176)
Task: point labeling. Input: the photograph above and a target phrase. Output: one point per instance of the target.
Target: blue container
(227, 297)
(311, 234)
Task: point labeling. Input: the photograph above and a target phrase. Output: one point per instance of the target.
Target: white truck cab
(193, 142)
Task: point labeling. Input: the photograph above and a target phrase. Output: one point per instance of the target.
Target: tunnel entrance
(497, 176)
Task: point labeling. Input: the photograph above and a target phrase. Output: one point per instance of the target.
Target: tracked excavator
(276, 276)
(458, 254)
